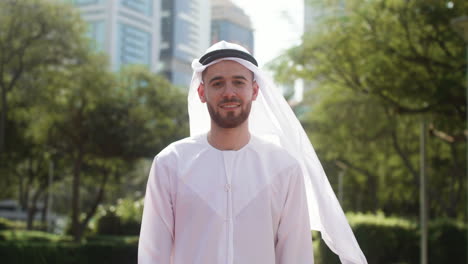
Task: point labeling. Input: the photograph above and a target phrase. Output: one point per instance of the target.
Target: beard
(231, 120)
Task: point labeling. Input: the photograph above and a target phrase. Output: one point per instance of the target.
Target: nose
(229, 90)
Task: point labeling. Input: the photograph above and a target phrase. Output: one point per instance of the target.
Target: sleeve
(157, 225)
(294, 237)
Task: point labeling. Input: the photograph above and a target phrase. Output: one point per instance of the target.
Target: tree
(102, 125)
(77, 96)
(37, 39)
(157, 110)
(378, 68)
(61, 102)
(35, 35)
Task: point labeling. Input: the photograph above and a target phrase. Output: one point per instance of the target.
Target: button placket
(228, 165)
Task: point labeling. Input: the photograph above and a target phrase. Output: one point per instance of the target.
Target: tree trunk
(371, 187)
(96, 203)
(44, 212)
(30, 216)
(21, 191)
(372, 190)
(456, 185)
(3, 119)
(76, 232)
(32, 210)
(404, 158)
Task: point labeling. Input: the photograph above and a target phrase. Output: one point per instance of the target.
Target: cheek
(248, 94)
(210, 97)
(214, 94)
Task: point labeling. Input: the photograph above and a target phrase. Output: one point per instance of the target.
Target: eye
(238, 82)
(217, 84)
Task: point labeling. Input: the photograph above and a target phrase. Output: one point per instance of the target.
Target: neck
(229, 138)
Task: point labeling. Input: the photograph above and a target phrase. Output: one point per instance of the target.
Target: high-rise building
(127, 30)
(185, 27)
(230, 23)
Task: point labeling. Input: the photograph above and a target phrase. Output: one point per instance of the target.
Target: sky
(278, 25)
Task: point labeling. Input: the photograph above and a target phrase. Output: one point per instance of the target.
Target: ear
(201, 92)
(254, 90)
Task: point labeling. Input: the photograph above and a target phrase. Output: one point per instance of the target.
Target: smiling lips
(231, 104)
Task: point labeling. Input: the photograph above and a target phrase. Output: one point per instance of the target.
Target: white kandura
(247, 206)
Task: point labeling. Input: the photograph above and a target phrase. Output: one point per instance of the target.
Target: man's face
(228, 89)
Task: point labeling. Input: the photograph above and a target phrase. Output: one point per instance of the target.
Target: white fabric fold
(271, 118)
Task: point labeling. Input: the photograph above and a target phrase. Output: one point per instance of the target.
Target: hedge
(6, 224)
(382, 239)
(112, 224)
(392, 240)
(42, 249)
(124, 218)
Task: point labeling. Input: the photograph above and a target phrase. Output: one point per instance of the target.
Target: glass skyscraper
(165, 35)
(127, 30)
(230, 23)
(185, 26)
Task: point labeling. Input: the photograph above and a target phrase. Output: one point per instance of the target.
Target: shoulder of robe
(274, 154)
(178, 149)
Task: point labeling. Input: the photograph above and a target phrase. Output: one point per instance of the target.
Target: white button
(227, 187)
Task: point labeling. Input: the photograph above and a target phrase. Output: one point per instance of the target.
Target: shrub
(129, 209)
(34, 247)
(130, 228)
(394, 240)
(122, 219)
(6, 224)
(109, 224)
(28, 235)
(68, 253)
(447, 242)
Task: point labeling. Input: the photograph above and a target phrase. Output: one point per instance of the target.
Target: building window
(144, 7)
(86, 2)
(97, 34)
(134, 45)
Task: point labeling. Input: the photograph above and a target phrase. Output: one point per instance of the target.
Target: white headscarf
(272, 118)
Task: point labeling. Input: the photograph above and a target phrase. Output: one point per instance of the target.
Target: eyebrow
(217, 78)
(239, 77)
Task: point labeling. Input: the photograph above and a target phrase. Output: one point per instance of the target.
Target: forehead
(226, 68)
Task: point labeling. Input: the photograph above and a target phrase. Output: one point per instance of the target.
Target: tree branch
(403, 157)
(345, 164)
(451, 139)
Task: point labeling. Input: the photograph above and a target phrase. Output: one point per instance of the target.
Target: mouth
(229, 105)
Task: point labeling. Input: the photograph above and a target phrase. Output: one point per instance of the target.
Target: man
(235, 191)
